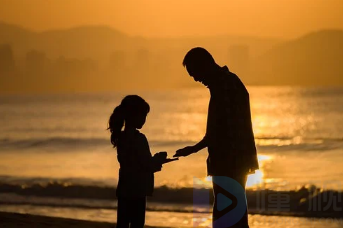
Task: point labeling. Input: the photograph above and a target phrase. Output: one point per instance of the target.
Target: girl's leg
(123, 212)
(138, 212)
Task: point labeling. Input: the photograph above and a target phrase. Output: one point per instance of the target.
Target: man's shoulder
(226, 82)
(234, 82)
(231, 77)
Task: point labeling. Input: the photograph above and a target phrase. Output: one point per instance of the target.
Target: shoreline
(252, 211)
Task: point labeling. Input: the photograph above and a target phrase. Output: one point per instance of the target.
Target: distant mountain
(314, 59)
(18, 37)
(11, 32)
(81, 42)
(97, 58)
(97, 41)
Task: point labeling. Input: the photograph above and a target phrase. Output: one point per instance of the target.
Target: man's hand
(185, 151)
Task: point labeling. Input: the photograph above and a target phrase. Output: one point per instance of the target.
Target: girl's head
(132, 112)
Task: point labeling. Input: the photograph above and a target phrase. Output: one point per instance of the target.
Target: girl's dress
(136, 178)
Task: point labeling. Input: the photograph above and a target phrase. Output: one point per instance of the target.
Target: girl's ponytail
(115, 124)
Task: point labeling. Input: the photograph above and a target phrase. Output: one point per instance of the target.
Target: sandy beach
(14, 220)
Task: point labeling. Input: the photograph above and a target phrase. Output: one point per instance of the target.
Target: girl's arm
(146, 161)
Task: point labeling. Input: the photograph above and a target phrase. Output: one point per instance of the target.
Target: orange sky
(281, 18)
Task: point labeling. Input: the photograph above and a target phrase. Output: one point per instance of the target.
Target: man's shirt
(229, 133)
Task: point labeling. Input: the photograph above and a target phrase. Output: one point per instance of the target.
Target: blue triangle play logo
(223, 202)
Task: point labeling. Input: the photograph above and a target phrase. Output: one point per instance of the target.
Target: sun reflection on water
(253, 180)
(257, 178)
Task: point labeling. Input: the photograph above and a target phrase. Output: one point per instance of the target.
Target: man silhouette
(229, 135)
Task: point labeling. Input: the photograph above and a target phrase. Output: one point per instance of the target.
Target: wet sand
(14, 220)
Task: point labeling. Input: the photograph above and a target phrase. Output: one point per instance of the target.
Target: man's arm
(191, 149)
(200, 145)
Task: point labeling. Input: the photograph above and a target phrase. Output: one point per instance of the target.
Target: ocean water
(54, 146)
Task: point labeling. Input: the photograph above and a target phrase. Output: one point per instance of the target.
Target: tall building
(7, 62)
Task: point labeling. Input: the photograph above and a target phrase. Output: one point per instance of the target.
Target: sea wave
(50, 142)
(67, 194)
(263, 143)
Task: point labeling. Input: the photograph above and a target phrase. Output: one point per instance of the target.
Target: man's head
(200, 64)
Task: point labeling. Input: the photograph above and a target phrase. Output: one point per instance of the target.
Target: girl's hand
(161, 156)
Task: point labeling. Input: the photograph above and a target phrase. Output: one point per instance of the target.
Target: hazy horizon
(57, 46)
(265, 18)
(59, 29)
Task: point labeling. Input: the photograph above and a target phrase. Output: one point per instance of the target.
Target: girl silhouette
(137, 165)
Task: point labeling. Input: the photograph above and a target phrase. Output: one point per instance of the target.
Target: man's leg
(243, 223)
(215, 213)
